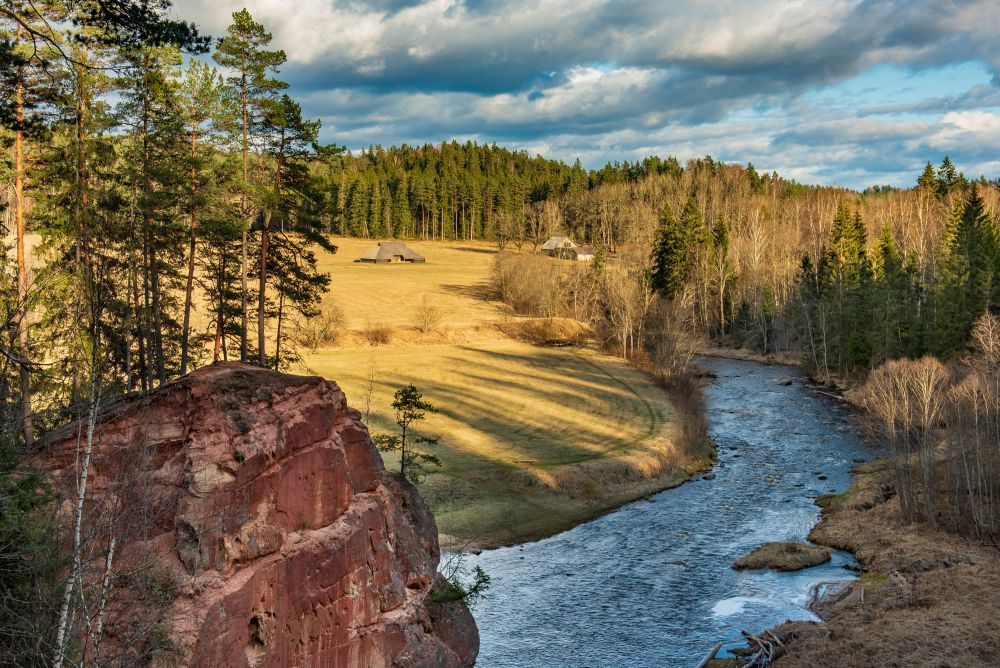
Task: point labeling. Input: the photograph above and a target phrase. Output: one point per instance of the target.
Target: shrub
(324, 329)
(377, 334)
(427, 315)
(530, 284)
(943, 476)
(457, 590)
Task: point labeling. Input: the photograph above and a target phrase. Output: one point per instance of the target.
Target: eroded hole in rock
(188, 547)
(255, 646)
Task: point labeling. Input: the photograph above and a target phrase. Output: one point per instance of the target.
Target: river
(650, 584)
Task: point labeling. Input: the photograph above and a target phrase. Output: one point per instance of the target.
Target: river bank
(535, 499)
(925, 598)
(651, 584)
(532, 440)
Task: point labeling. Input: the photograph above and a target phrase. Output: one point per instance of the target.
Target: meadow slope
(532, 439)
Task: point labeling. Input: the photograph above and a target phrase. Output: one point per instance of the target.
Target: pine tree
(947, 177)
(158, 157)
(928, 179)
(895, 302)
(30, 77)
(201, 106)
(288, 221)
(842, 286)
(674, 246)
(951, 275)
(670, 256)
(243, 51)
(812, 317)
(966, 274)
(756, 183)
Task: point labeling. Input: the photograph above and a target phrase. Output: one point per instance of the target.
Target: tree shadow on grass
(482, 291)
(526, 439)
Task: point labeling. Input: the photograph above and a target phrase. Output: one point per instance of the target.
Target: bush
(324, 329)
(530, 284)
(30, 564)
(547, 331)
(377, 334)
(457, 590)
(941, 422)
(427, 315)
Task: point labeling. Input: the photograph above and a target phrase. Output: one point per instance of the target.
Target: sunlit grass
(530, 438)
(455, 279)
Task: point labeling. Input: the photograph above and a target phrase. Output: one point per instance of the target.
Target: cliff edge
(284, 540)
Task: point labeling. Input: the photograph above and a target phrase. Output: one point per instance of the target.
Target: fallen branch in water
(766, 648)
(710, 655)
(838, 397)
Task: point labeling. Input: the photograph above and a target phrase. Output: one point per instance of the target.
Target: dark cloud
(611, 79)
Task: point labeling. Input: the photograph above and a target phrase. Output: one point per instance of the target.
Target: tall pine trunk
(27, 426)
(265, 237)
(192, 247)
(220, 325)
(154, 274)
(277, 337)
(244, 297)
(81, 201)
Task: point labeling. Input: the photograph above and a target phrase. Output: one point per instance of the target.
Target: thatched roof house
(387, 252)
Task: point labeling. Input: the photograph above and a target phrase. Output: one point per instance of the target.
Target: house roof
(386, 250)
(557, 242)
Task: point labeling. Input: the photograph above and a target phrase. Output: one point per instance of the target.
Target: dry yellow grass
(532, 439)
(455, 279)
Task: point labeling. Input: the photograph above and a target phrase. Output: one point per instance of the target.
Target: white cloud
(966, 130)
(620, 79)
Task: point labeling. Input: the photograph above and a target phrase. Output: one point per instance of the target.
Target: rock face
(288, 542)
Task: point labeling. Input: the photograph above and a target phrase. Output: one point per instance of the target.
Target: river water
(650, 584)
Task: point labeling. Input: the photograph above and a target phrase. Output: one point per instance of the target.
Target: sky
(845, 92)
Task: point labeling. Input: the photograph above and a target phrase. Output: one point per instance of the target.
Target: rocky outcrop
(784, 557)
(286, 540)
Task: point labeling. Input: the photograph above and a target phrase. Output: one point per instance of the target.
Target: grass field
(455, 279)
(532, 440)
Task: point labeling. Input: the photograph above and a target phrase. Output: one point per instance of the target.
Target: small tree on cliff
(410, 408)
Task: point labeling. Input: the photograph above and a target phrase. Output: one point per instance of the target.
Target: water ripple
(650, 585)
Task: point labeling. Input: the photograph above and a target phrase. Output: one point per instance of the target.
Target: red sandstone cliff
(284, 540)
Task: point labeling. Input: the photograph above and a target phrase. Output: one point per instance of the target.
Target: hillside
(454, 280)
(532, 439)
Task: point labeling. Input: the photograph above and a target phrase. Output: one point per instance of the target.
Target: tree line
(172, 203)
(848, 280)
(159, 215)
(895, 291)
